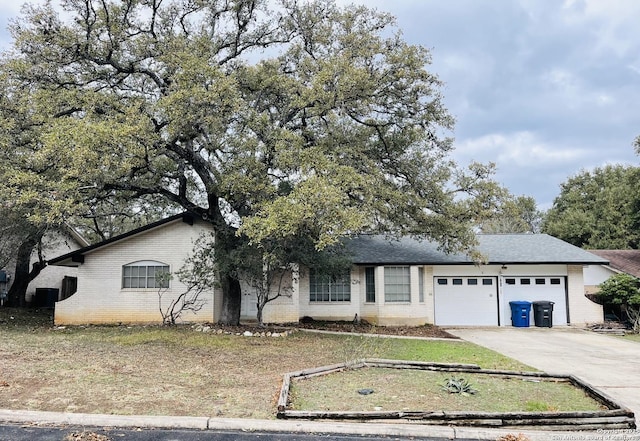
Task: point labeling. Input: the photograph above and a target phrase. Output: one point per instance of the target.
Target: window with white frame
(421, 284)
(145, 274)
(397, 284)
(329, 288)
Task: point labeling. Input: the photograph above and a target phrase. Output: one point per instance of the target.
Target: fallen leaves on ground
(86, 436)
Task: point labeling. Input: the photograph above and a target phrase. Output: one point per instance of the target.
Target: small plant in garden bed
(461, 386)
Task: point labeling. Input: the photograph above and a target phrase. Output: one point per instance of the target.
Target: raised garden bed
(611, 416)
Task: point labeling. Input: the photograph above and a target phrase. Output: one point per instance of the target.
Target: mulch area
(366, 328)
(43, 318)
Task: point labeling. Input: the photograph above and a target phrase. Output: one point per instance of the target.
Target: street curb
(419, 431)
(98, 420)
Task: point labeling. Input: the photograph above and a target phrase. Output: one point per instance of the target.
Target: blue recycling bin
(520, 312)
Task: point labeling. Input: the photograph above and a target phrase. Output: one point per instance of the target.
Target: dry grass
(178, 371)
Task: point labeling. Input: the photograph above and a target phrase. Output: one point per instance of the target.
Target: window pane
(525, 281)
(540, 281)
(370, 284)
(325, 288)
(145, 276)
(487, 281)
(397, 284)
(555, 281)
(457, 281)
(472, 281)
(442, 281)
(421, 284)
(510, 281)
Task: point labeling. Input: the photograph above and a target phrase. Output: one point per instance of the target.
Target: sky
(544, 89)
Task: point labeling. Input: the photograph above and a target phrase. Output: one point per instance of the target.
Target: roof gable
(76, 257)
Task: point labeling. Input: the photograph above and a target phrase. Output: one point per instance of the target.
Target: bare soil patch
(426, 331)
(155, 370)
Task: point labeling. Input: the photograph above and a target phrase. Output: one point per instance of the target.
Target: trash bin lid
(543, 303)
(520, 303)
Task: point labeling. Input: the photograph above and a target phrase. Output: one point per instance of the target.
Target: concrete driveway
(609, 363)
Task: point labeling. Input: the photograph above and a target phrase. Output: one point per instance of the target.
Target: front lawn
(178, 371)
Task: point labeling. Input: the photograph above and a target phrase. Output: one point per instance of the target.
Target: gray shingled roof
(498, 248)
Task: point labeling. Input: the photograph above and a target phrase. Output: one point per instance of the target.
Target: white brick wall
(285, 309)
(100, 297)
(581, 310)
(380, 312)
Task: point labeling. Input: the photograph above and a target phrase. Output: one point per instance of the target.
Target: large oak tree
(598, 209)
(272, 120)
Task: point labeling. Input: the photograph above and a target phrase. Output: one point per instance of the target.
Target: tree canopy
(514, 215)
(598, 209)
(274, 122)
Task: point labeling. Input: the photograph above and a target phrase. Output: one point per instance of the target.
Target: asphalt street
(37, 433)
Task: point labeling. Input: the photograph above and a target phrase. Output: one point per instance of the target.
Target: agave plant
(460, 386)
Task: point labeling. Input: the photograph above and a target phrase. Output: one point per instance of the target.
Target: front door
(249, 304)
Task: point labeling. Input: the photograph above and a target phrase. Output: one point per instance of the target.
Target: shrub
(624, 290)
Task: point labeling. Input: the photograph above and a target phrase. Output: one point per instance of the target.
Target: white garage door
(533, 289)
(466, 301)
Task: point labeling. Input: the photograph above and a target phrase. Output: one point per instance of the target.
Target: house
(410, 282)
(116, 277)
(620, 261)
(53, 283)
(401, 282)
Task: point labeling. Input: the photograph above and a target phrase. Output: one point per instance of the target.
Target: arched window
(145, 274)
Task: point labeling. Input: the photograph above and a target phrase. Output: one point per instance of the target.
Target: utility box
(520, 313)
(543, 313)
(46, 297)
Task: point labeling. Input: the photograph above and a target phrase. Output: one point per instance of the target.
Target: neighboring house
(53, 283)
(620, 261)
(403, 282)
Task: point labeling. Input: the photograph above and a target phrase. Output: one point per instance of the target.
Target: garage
(531, 289)
(466, 301)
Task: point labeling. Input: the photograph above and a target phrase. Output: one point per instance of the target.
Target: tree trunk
(23, 273)
(226, 242)
(231, 299)
(259, 315)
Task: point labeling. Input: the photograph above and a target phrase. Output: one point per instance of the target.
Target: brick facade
(100, 297)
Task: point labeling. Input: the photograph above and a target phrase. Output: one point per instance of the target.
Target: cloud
(523, 149)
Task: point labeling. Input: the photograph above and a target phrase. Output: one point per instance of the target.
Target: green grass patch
(396, 389)
(632, 337)
(451, 352)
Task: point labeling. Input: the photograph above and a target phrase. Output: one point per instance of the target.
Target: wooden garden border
(615, 417)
